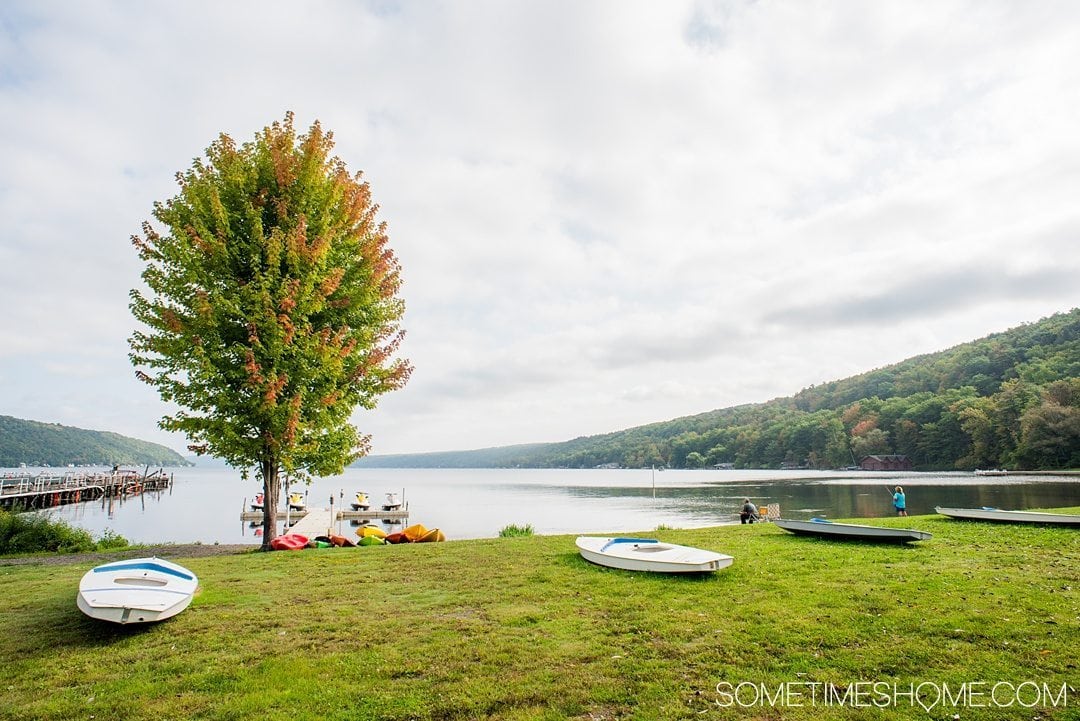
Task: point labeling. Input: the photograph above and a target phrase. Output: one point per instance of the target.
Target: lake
(204, 504)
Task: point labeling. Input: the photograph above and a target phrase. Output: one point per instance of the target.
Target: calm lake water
(204, 504)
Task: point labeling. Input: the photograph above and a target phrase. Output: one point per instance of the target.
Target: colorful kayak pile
(369, 536)
(297, 541)
(374, 536)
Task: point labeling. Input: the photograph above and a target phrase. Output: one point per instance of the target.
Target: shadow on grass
(850, 540)
(59, 622)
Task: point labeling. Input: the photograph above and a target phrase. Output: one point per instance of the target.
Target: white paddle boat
(139, 590)
(649, 554)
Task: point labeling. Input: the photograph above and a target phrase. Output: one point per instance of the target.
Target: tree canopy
(271, 307)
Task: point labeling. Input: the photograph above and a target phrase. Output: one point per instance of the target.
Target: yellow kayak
(370, 532)
(415, 533)
(432, 536)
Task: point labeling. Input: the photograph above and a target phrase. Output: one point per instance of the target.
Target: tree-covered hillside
(1011, 399)
(37, 444)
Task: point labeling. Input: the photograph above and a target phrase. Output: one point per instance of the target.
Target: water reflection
(718, 502)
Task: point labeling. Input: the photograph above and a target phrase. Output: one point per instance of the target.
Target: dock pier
(346, 515)
(45, 490)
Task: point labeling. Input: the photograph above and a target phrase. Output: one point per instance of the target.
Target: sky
(607, 213)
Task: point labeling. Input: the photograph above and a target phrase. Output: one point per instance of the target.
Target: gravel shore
(185, 550)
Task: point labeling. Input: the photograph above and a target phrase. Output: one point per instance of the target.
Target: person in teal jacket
(899, 501)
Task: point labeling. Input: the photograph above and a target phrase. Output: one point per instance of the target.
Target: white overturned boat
(999, 516)
(853, 531)
(139, 590)
(649, 554)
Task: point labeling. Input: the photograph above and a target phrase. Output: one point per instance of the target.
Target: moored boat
(649, 554)
(392, 503)
(140, 590)
(257, 504)
(851, 531)
(997, 515)
(361, 503)
(297, 502)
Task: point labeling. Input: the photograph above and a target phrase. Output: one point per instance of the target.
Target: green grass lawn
(523, 628)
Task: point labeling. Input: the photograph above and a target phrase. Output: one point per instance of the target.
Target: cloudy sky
(607, 213)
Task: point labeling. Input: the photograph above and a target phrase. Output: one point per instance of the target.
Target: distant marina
(47, 488)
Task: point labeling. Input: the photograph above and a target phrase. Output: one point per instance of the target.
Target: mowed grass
(524, 628)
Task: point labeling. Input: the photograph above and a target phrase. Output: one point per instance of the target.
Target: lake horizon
(204, 503)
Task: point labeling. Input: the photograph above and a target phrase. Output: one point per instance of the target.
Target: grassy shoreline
(523, 628)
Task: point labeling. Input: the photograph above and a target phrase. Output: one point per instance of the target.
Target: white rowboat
(999, 516)
(851, 531)
(648, 554)
(139, 590)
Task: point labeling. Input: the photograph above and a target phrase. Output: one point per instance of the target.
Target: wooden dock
(47, 489)
(316, 522)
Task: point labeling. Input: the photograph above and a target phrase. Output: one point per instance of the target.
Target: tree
(1051, 431)
(271, 309)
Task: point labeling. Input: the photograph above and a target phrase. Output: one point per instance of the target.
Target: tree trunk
(271, 493)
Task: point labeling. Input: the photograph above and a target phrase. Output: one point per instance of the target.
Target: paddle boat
(851, 531)
(392, 503)
(649, 554)
(997, 515)
(140, 590)
(361, 503)
(257, 504)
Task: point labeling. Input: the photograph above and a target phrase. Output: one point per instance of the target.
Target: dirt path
(187, 550)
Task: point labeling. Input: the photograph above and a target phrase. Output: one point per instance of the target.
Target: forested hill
(37, 444)
(1011, 400)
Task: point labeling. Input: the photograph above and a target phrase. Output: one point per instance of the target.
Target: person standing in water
(899, 501)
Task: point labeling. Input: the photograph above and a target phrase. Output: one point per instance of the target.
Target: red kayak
(289, 542)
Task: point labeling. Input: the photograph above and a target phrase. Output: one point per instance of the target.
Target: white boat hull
(852, 531)
(140, 590)
(644, 554)
(997, 515)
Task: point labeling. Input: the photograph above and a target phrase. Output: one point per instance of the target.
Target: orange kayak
(432, 536)
(398, 537)
(415, 533)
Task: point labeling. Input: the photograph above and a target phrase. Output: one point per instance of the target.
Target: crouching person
(749, 512)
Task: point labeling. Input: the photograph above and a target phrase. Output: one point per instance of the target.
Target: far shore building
(886, 463)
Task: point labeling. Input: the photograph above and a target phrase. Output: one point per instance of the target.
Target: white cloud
(607, 213)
